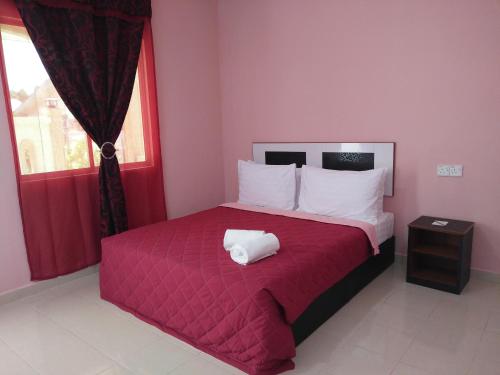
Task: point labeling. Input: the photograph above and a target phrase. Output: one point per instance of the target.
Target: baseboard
(29, 290)
(486, 275)
(40, 286)
(400, 259)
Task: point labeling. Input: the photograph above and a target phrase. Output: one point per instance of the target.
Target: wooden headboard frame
(336, 155)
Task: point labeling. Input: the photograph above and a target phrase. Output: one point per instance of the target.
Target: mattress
(177, 276)
(384, 227)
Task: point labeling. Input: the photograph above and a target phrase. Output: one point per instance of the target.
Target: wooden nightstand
(439, 256)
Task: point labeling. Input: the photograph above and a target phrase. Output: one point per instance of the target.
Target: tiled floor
(390, 328)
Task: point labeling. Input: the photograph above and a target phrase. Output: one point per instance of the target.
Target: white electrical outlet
(443, 170)
(450, 170)
(456, 170)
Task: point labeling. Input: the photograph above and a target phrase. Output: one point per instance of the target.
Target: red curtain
(62, 215)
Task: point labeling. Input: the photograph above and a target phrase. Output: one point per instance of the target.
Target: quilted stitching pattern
(177, 275)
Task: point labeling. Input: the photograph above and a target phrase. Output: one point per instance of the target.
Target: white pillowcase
(344, 194)
(298, 173)
(267, 185)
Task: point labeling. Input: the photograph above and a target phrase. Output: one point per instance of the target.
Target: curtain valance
(126, 9)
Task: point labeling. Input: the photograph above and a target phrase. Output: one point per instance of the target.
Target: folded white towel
(255, 249)
(236, 236)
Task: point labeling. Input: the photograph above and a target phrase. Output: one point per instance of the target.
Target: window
(48, 138)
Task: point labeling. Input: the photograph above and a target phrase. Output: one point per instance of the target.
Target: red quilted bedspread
(177, 276)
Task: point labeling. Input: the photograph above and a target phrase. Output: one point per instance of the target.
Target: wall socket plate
(450, 170)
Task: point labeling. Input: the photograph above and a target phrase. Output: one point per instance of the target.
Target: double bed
(177, 276)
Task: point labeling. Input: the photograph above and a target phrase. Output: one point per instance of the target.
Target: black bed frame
(328, 303)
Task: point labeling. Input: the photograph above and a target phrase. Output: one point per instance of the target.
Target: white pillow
(298, 173)
(267, 185)
(344, 194)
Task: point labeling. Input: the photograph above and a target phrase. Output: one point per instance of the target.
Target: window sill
(124, 168)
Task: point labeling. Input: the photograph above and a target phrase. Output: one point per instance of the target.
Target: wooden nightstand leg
(466, 259)
(410, 260)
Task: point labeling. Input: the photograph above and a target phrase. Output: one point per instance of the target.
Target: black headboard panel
(348, 161)
(286, 158)
(352, 156)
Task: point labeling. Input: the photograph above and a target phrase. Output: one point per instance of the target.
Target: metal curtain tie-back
(102, 150)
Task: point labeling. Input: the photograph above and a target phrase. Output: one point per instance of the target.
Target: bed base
(328, 303)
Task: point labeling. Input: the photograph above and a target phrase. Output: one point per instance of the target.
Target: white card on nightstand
(440, 223)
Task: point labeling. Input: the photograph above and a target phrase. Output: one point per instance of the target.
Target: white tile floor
(390, 328)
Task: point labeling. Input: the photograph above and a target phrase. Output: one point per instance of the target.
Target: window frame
(145, 70)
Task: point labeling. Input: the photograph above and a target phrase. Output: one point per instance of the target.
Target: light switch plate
(450, 170)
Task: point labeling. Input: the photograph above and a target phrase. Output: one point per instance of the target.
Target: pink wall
(187, 73)
(14, 271)
(424, 74)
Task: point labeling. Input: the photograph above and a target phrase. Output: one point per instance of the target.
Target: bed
(177, 276)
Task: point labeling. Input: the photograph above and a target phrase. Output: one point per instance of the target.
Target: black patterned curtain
(90, 49)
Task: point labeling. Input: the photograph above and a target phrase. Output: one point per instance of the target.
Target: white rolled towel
(236, 236)
(255, 249)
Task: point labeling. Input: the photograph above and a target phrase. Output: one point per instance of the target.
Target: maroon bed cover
(177, 276)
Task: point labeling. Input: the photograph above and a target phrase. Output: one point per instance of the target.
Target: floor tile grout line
(426, 319)
(36, 307)
(199, 357)
(83, 340)
(429, 316)
(476, 354)
(25, 299)
(474, 357)
(475, 349)
(396, 362)
(71, 333)
(18, 356)
(399, 361)
(110, 368)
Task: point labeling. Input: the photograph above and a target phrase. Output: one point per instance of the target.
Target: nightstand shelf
(439, 256)
(443, 251)
(436, 276)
